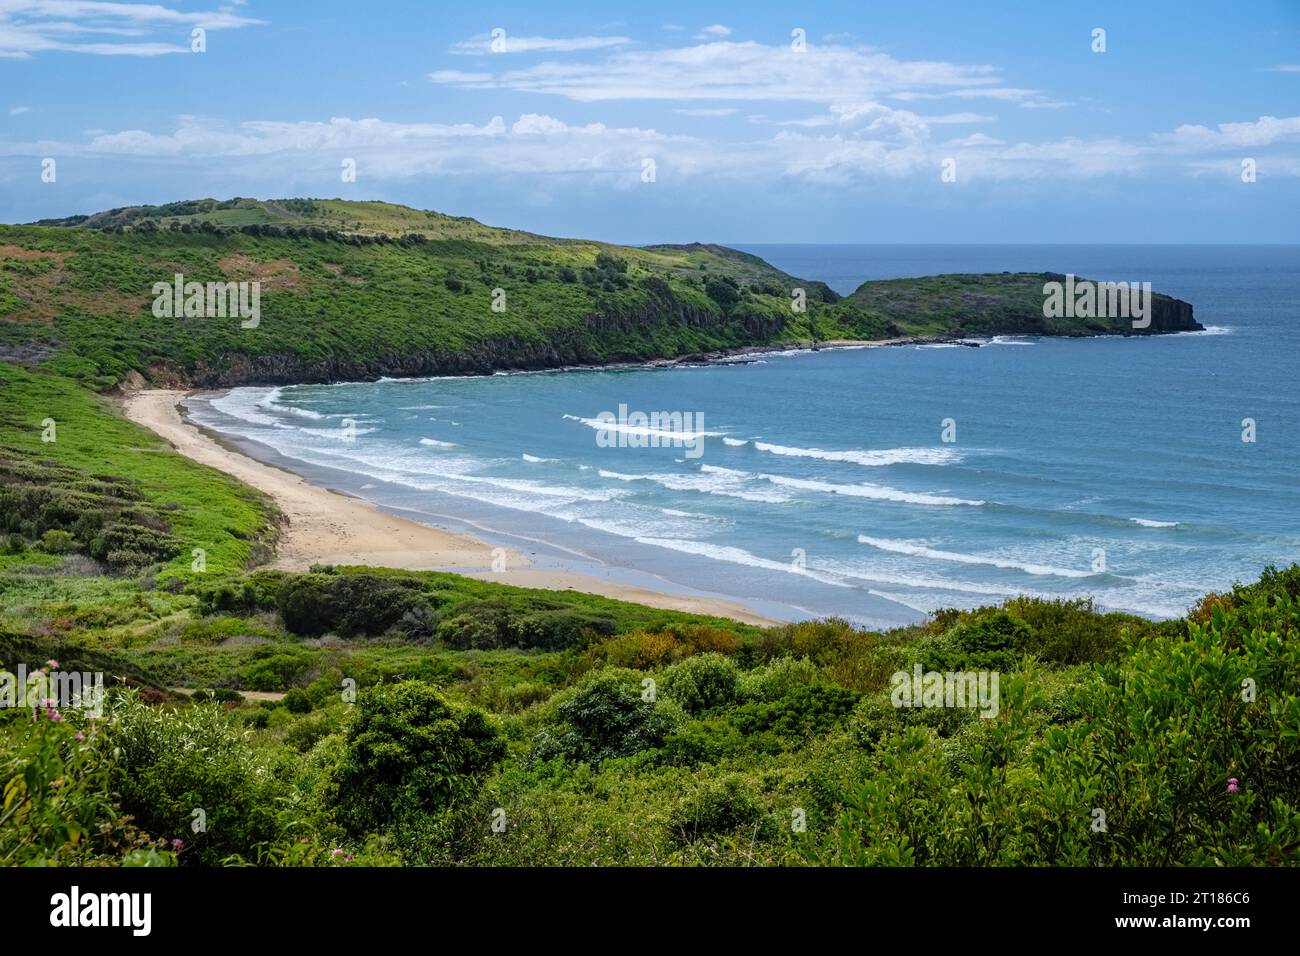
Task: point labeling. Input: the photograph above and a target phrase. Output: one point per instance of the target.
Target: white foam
(271, 402)
(874, 492)
(534, 459)
(861, 490)
(870, 458)
(1152, 523)
(647, 431)
(920, 551)
(718, 484)
(434, 443)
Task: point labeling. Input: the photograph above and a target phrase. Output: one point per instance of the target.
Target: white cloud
(1287, 68)
(512, 44)
(19, 110)
(713, 32)
(1266, 131)
(866, 143)
(30, 27)
(746, 71)
(707, 111)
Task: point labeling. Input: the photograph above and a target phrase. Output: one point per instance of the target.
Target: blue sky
(751, 140)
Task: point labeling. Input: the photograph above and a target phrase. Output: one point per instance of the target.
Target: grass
(206, 508)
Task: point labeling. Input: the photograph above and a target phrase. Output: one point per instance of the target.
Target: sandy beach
(324, 527)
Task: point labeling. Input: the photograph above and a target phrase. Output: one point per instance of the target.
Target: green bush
(715, 809)
(55, 541)
(354, 604)
(607, 716)
(250, 594)
(296, 701)
(275, 667)
(496, 623)
(173, 762)
(778, 677)
(990, 639)
(409, 752)
(799, 714)
(701, 683)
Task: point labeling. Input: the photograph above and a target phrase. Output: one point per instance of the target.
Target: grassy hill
(356, 290)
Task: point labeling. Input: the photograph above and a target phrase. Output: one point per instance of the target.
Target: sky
(747, 122)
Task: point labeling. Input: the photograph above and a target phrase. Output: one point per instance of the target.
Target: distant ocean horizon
(1104, 468)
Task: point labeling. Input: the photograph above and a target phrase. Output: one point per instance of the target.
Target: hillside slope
(358, 290)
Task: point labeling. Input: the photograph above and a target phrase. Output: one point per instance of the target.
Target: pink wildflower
(1232, 785)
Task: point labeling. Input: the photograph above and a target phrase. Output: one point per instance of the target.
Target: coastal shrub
(275, 667)
(485, 624)
(801, 713)
(59, 808)
(1200, 746)
(296, 701)
(249, 594)
(125, 546)
(638, 649)
(777, 678)
(608, 715)
(55, 541)
(1071, 631)
(990, 639)
(722, 290)
(407, 752)
(173, 762)
(709, 741)
(702, 682)
(306, 731)
(716, 808)
(352, 604)
(644, 649)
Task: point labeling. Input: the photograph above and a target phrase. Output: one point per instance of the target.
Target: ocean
(820, 483)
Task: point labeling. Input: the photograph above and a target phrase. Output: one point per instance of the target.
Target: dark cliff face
(1172, 315)
(668, 327)
(602, 339)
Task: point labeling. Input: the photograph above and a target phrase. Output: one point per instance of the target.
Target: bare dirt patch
(276, 275)
(18, 252)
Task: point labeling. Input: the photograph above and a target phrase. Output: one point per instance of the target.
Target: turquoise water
(1107, 468)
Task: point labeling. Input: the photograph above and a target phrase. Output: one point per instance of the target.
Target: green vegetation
(360, 716)
(359, 290)
(1181, 738)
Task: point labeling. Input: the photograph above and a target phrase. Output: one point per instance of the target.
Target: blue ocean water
(1109, 468)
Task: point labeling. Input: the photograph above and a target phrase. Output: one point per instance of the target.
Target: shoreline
(134, 382)
(323, 526)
